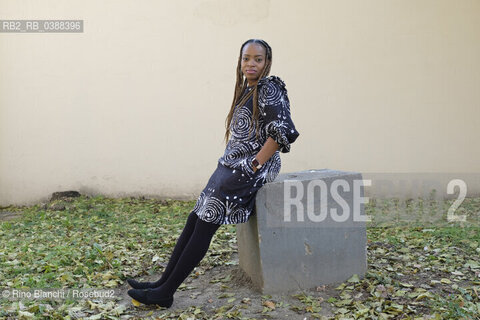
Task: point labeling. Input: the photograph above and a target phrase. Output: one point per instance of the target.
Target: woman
(258, 127)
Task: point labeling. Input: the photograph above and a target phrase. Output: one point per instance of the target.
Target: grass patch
(98, 242)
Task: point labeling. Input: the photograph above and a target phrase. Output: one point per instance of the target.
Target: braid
(241, 85)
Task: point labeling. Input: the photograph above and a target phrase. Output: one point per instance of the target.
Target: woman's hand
(268, 149)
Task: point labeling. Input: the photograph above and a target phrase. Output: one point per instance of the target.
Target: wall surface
(136, 104)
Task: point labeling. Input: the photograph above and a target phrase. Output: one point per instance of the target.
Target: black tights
(191, 247)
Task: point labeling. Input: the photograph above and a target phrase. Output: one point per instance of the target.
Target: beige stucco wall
(136, 103)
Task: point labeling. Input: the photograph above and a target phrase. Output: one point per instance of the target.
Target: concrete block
(309, 229)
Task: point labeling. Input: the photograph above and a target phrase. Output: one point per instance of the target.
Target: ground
(423, 271)
(225, 291)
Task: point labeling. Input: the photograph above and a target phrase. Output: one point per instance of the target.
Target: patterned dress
(229, 196)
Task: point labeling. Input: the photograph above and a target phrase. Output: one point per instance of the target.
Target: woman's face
(253, 62)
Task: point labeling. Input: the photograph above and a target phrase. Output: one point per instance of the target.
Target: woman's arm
(266, 152)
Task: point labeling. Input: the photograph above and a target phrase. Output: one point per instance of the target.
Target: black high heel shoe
(141, 285)
(145, 297)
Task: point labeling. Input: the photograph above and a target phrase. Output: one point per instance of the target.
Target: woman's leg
(177, 251)
(191, 256)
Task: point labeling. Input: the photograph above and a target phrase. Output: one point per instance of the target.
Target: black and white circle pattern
(242, 120)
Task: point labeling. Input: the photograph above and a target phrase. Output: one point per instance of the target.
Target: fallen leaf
(136, 303)
(354, 278)
(269, 304)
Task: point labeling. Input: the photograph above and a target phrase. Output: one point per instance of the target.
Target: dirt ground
(212, 296)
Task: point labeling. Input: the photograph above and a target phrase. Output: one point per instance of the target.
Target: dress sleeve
(275, 108)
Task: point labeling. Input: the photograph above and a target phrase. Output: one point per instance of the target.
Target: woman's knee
(191, 220)
(207, 227)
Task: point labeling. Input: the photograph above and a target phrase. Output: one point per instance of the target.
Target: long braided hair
(241, 85)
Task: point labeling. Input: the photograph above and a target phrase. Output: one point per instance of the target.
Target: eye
(259, 60)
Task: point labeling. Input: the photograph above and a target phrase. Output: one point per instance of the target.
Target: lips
(251, 71)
